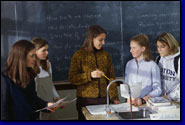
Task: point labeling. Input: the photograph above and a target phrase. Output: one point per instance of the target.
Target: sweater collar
(97, 50)
(172, 56)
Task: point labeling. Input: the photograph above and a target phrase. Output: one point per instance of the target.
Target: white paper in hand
(134, 88)
(54, 105)
(57, 103)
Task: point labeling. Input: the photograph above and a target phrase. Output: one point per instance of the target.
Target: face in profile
(99, 41)
(31, 58)
(136, 50)
(163, 48)
(42, 53)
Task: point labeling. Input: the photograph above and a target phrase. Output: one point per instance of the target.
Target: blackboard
(64, 25)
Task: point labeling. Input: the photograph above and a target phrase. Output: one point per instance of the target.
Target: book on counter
(159, 101)
(161, 108)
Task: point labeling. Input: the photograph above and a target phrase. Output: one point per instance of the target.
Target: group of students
(157, 78)
(91, 63)
(26, 81)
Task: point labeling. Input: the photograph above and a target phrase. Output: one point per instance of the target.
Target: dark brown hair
(168, 39)
(93, 32)
(16, 66)
(39, 43)
(143, 41)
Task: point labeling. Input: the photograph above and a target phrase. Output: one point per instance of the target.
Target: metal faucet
(116, 80)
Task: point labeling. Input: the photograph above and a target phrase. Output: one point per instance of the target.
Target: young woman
(169, 63)
(87, 68)
(141, 69)
(19, 100)
(44, 84)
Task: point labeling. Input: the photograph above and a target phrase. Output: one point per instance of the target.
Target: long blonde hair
(169, 39)
(143, 41)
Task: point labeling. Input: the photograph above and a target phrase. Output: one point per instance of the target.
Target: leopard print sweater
(82, 64)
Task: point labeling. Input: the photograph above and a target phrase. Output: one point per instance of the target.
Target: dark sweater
(19, 103)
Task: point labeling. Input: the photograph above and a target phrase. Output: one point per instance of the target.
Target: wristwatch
(143, 101)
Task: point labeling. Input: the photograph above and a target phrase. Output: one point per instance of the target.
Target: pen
(106, 77)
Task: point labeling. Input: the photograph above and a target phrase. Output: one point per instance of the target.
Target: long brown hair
(16, 66)
(169, 39)
(93, 32)
(39, 43)
(143, 41)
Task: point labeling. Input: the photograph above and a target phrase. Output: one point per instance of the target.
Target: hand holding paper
(61, 104)
(53, 106)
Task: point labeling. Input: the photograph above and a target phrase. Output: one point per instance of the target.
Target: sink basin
(141, 114)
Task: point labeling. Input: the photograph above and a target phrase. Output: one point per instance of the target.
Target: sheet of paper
(65, 102)
(101, 109)
(167, 115)
(135, 90)
(59, 102)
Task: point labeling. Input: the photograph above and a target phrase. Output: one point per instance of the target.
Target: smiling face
(163, 48)
(42, 53)
(99, 41)
(136, 50)
(31, 58)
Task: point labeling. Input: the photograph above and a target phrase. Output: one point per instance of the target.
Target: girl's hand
(146, 97)
(63, 105)
(116, 101)
(165, 96)
(53, 108)
(138, 102)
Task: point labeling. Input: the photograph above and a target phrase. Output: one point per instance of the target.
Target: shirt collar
(139, 62)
